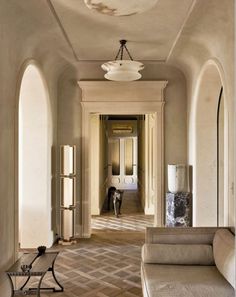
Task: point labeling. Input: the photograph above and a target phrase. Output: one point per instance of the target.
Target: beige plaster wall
(209, 34)
(175, 128)
(23, 37)
(69, 129)
(35, 139)
(205, 168)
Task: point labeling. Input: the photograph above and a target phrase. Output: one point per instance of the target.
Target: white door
(122, 170)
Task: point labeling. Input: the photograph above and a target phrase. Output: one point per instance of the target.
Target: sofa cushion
(183, 281)
(224, 254)
(178, 254)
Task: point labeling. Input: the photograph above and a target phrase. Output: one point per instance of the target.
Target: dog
(116, 196)
(117, 201)
(111, 191)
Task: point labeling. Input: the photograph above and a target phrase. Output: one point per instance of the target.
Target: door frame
(128, 98)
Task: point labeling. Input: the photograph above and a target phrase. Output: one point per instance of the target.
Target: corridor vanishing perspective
(132, 217)
(107, 264)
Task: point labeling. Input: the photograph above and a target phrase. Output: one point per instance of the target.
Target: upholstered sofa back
(185, 262)
(177, 254)
(192, 246)
(196, 235)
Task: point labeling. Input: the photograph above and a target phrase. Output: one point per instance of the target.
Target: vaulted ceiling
(67, 35)
(151, 35)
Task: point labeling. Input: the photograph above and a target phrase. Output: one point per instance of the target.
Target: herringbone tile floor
(107, 264)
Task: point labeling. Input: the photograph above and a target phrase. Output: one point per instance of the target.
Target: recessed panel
(128, 156)
(115, 156)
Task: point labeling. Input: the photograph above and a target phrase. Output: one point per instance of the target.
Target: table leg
(54, 276)
(12, 286)
(22, 287)
(39, 285)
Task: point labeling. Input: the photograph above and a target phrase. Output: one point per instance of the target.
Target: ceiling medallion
(122, 70)
(120, 7)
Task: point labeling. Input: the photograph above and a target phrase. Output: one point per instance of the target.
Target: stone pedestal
(178, 209)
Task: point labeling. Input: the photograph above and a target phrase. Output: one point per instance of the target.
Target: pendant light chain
(121, 50)
(128, 53)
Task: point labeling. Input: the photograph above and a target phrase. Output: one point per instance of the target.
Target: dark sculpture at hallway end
(116, 196)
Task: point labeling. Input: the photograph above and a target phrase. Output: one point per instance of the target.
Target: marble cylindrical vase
(177, 178)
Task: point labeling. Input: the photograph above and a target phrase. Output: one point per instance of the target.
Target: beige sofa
(188, 262)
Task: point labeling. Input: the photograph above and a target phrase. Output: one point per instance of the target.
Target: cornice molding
(135, 91)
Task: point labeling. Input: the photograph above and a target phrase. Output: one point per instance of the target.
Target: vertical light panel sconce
(67, 193)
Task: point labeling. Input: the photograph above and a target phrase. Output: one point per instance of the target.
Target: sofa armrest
(191, 235)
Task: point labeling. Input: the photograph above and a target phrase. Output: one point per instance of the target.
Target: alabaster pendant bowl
(122, 70)
(120, 7)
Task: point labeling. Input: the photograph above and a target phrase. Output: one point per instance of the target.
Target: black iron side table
(39, 266)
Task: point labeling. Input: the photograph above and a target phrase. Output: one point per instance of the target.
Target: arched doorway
(209, 169)
(34, 139)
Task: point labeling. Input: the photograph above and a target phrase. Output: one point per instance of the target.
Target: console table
(40, 265)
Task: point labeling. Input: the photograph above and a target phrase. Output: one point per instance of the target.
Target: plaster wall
(205, 168)
(209, 35)
(35, 139)
(69, 130)
(23, 38)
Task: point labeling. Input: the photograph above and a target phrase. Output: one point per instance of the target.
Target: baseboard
(149, 210)
(96, 212)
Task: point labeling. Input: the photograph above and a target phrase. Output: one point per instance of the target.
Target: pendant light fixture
(120, 7)
(122, 70)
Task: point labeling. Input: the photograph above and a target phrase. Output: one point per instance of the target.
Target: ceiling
(95, 37)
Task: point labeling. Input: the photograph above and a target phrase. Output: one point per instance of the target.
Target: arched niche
(210, 199)
(34, 160)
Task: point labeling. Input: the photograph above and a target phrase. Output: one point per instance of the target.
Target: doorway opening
(34, 140)
(211, 136)
(122, 142)
(115, 98)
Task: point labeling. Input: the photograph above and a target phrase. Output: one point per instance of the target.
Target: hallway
(107, 264)
(132, 217)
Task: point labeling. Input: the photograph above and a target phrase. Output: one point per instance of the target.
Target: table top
(40, 264)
